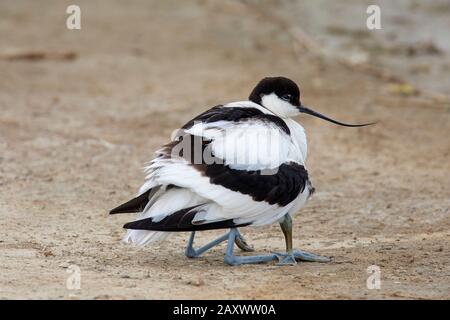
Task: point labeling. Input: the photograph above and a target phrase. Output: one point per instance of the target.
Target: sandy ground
(74, 135)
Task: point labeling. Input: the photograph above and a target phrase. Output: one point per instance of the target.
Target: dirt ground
(75, 134)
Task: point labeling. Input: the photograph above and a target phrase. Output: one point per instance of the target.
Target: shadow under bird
(235, 165)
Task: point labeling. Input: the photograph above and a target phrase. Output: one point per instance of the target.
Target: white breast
(299, 147)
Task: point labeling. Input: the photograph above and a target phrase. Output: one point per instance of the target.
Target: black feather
(180, 221)
(236, 114)
(134, 205)
(280, 188)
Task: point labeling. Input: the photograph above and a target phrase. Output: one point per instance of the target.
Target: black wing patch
(235, 114)
(180, 221)
(280, 187)
(134, 205)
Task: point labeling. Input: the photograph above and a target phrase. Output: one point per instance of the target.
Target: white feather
(143, 237)
(248, 145)
(298, 150)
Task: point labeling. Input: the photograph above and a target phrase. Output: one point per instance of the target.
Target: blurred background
(81, 111)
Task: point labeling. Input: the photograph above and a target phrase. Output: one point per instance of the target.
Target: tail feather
(163, 204)
(134, 205)
(181, 220)
(143, 237)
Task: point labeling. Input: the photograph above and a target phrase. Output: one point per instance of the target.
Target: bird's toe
(286, 259)
(301, 255)
(242, 244)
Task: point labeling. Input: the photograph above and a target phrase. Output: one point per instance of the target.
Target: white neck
(281, 108)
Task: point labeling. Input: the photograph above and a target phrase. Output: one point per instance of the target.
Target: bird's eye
(286, 97)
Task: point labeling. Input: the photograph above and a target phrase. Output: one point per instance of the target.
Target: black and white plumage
(237, 164)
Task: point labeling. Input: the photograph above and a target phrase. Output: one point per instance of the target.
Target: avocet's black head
(278, 94)
(282, 96)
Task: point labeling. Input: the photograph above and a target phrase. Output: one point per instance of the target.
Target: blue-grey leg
(233, 260)
(193, 253)
(292, 256)
(233, 236)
